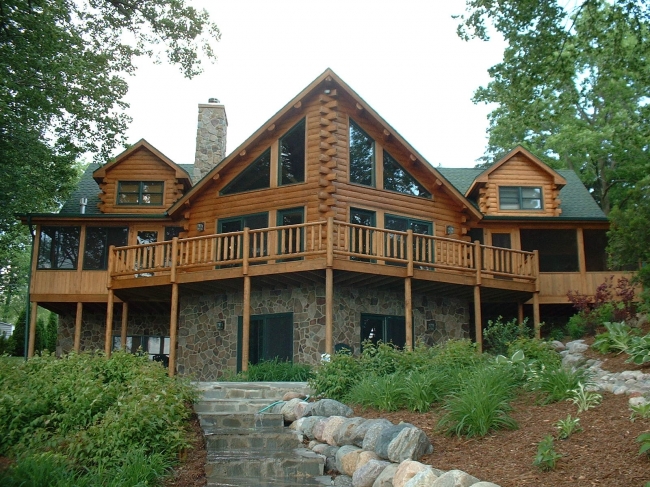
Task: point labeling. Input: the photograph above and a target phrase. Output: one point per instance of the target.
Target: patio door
(270, 337)
(384, 328)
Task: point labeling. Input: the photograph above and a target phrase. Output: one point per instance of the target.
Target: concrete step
(263, 421)
(251, 390)
(296, 463)
(247, 482)
(234, 443)
(231, 405)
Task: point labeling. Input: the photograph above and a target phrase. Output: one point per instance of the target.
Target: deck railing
(333, 240)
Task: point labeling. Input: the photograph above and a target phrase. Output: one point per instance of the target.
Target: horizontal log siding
(140, 166)
(519, 171)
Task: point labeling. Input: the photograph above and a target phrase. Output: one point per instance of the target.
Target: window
(256, 176)
(155, 346)
(270, 338)
(384, 328)
(237, 224)
(290, 240)
(362, 156)
(396, 178)
(558, 249)
(58, 247)
(171, 232)
(520, 198)
(98, 241)
(292, 155)
(140, 193)
(361, 238)
(422, 253)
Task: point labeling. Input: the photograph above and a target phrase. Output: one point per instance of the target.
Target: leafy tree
(17, 339)
(573, 86)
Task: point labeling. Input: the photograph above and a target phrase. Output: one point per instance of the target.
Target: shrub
(499, 334)
(639, 350)
(481, 404)
(456, 354)
(577, 326)
(382, 392)
(275, 370)
(540, 352)
(555, 383)
(423, 388)
(546, 457)
(617, 338)
(334, 379)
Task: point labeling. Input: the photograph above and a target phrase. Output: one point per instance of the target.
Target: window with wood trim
(140, 193)
(98, 241)
(58, 247)
(362, 156)
(256, 176)
(520, 198)
(396, 178)
(292, 155)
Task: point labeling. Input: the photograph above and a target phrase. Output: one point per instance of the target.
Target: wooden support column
(246, 318)
(173, 327)
(408, 313)
(32, 330)
(125, 320)
(536, 317)
(109, 324)
(329, 310)
(77, 327)
(520, 312)
(478, 319)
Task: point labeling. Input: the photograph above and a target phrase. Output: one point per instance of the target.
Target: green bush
(91, 410)
(499, 334)
(275, 370)
(639, 350)
(540, 352)
(457, 354)
(556, 383)
(481, 404)
(334, 379)
(576, 327)
(617, 338)
(382, 392)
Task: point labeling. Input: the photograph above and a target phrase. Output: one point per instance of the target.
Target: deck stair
(247, 446)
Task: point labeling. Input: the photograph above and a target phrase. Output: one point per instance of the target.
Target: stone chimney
(210, 137)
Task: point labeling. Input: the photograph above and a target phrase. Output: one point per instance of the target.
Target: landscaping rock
(305, 426)
(385, 478)
(346, 459)
(328, 407)
(344, 434)
(365, 457)
(342, 481)
(425, 478)
(455, 478)
(289, 410)
(288, 396)
(385, 437)
(485, 484)
(317, 430)
(577, 346)
(331, 428)
(373, 434)
(409, 444)
(406, 471)
(360, 431)
(365, 475)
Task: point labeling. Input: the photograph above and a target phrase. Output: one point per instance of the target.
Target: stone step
(251, 390)
(231, 405)
(235, 442)
(297, 463)
(264, 421)
(248, 482)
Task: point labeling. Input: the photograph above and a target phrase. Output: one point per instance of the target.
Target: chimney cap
(213, 100)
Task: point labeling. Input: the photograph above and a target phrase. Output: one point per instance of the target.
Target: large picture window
(520, 198)
(362, 156)
(256, 176)
(98, 241)
(292, 155)
(58, 247)
(383, 328)
(140, 193)
(396, 178)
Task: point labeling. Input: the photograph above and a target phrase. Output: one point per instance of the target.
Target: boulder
(373, 433)
(484, 484)
(365, 457)
(288, 396)
(328, 407)
(289, 410)
(317, 430)
(385, 437)
(331, 428)
(360, 431)
(305, 426)
(365, 475)
(424, 478)
(342, 481)
(409, 444)
(455, 478)
(346, 459)
(385, 478)
(343, 435)
(406, 471)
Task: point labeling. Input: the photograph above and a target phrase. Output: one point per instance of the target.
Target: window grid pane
(398, 179)
(520, 198)
(362, 156)
(292, 155)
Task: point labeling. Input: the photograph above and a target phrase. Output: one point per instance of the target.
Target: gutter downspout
(29, 284)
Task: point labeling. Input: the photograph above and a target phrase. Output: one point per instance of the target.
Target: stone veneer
(205, 353)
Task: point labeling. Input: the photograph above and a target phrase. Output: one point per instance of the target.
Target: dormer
(140, 180)
(519, 185)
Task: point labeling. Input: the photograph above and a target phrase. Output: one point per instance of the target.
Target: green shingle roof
(577, 202)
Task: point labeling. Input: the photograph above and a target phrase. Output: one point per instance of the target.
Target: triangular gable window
(396, 178)
(255, 176)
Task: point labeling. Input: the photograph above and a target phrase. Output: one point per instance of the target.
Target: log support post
(246, 308)
(125, 320)
(408, 313)
(536, 316)
(173, 327)
(329, 289)
(520, 312)
(77, 327)
(478, 319)
(109, 324)
(32, 330)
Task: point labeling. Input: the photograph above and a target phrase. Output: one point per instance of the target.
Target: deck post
(520, 312)
(125, 320)
(77, 327)
(408, 313)
(32, 330)
(478, 327)
(330, 242)
(536, 317)
(329, 310)
(109, 324)
(173, 327)
(246, 318)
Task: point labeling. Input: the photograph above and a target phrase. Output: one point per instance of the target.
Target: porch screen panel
(558, 249)
(58, 247)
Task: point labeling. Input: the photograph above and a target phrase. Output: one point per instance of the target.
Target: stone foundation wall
(206, 353)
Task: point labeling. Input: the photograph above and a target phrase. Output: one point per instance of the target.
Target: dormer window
(140, 193)
(520, 198)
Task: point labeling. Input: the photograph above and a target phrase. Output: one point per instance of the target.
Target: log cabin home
(325, 228)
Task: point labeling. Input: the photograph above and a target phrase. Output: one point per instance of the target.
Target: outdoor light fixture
(200, 226)
(450, 230)
(220, 325)
(431, 325)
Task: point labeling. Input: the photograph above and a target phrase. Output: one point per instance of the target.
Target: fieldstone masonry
(210, 139)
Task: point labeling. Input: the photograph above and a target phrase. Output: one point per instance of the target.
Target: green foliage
(640, 411)
(334, 379)
(567, 426)
(617, 338)
(576, 327)
(275, 370)
(18, 337)
(499, 334)
(639, 350)
(424, 388)
(540, 352)
(546, 457)
(555, 384)
(457, 355)
(584, 399)
(644, 440)
(93, 411)
(481, 404)
(383, 392)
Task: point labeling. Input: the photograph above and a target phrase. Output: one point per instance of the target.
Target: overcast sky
(401, 56)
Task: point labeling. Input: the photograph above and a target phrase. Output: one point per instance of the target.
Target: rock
(409, 444)
(289, 410)
(360, 431)
(618, 390)
(342, 481)
(484, 484)
(425, 478)
(386, 436)
(373, 433)
(344, 434)
(638, 401)
(331, 428)
(300, 409)
(328, 407)
(325, 449)
(557, 345)
(577, 346)
(317, 430)
(288, 396)
(406, 471)
(365, 457)
(455, 478)
(305, 426)
(276, 408)
(385, 478)
(572, 360)
(365, 475)
(346, 459)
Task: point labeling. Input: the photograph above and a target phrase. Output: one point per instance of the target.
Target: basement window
(256, 176)
(396, 178)
(520, 198)
(292, 155)
(362, 156)
(140, 193)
